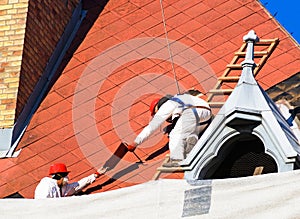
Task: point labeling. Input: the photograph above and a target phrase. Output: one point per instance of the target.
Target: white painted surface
(264, 196)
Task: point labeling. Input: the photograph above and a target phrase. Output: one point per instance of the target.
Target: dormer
(249, 135)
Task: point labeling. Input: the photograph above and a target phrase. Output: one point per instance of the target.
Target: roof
(121, 64)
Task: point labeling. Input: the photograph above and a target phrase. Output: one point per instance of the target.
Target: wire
(168, 44)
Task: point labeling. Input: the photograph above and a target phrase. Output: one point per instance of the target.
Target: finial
(251, 36)
(248, 64)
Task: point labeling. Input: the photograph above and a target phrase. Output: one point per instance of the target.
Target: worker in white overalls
(194, 116)
(57, 185)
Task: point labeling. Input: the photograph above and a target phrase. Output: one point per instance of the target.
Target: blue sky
(287, 12)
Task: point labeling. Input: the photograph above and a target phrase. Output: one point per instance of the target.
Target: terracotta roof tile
(124, 9)
(6, 164)
(189, 27)
(111, 5)
(184, 5)
(14, 171)
(6, 190)
(214, 41)
(256, 19)
(196, 10)
(227, 6)
(21, 182)
(240, 14)
(28, 192)
(87, 55)
(103, 94)
(152, 7)
(31, 136)
(169, 12)
(147, 23)
(269, 79)
(53, 154)
(177, 20)
(220, 24)
(208, 17)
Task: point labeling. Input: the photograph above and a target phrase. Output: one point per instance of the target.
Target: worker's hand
(131, 147)
(101, 171)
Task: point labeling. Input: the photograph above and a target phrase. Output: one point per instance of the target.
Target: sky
(287, 13)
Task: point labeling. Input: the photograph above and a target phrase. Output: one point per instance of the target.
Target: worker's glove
(168, 129)
(131, 147)
(101, 171)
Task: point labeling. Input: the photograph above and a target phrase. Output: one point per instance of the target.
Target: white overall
(188, 123)
(48, 188)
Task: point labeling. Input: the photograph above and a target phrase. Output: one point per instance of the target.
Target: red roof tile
(103, 94)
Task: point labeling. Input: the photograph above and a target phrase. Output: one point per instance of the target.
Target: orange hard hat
(153, 105)
(58, 168)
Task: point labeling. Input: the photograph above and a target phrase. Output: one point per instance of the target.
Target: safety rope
(168, 44)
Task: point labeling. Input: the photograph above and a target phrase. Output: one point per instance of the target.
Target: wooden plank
(170, 169)
(258, 170)
(229, 78)
(158, 172)
(257, 53)
(216, 104)
(221, 91)
(234, 66)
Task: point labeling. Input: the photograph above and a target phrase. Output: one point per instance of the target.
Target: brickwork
(29, 33)
(46, 22)
(13, 15)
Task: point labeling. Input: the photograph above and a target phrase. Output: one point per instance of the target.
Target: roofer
(191, 114)
(57, 185)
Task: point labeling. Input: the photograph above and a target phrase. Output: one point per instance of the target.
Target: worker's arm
(72, 188)
(164, 112)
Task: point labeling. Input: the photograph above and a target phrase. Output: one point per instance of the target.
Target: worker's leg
(185, 126)
(204, 120)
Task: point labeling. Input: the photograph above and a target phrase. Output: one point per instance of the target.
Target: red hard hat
(153, 105)
(58, 168)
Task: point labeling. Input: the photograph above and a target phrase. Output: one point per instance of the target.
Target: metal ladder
(226, 83)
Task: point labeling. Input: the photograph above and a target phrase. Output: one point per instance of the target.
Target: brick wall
(12, 28)
(29, 32)
(46, 22)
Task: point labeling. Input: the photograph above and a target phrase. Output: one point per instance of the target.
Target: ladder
(162, 169)
(217, 96)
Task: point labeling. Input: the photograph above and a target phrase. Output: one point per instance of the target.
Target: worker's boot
(172, 163)
(191, 141)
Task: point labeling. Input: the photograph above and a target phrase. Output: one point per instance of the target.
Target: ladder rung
(221, 91)
(216, 104)
(170, 169)
(266, 42)
(257, 53)
(229, 78)
(234, 66)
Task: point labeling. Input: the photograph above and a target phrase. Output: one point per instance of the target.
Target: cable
(168, 44)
